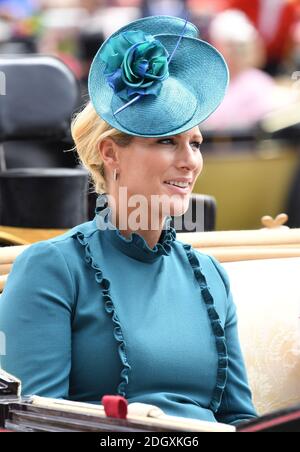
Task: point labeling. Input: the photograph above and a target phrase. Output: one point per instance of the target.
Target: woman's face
(154, 166)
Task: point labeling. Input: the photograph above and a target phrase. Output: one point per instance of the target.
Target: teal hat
(155, 78)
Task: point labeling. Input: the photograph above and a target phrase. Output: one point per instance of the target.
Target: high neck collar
(135, 246)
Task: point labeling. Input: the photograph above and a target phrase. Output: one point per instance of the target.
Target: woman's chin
(177, 210)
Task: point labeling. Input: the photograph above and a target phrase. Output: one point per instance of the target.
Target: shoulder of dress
(85, 229)
(188, 249)
(62, 246)
(205, 262)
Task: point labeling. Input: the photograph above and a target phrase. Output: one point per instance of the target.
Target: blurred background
(251, 143)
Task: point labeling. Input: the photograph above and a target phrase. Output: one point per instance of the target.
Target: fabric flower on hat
(136, 64)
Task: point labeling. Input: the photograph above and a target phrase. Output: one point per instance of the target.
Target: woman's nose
(190, 158)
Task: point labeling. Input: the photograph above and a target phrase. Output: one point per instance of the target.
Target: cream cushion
(267, 295)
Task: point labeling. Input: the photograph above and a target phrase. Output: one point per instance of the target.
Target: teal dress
(91, 313)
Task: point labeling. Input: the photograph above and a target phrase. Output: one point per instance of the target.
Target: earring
(115, 175)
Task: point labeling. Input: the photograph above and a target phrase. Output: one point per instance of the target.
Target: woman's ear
(109, 153)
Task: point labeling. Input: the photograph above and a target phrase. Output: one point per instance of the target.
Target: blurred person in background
(59, 35)
(204, 11)
(64, 29)
(107, 16)
(274, 19)
(92, 6)
(164, 7)
(251, 91)
(73, 30)
(104, 17)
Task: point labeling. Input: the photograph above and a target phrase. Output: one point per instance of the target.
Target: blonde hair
(88, 130)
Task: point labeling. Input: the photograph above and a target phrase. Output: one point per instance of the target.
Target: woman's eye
(170, 141)
(166, 141)
(197, 145)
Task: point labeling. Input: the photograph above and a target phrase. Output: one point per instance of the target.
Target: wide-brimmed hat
(154, 77)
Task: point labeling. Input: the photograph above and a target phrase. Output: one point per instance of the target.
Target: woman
(118, 305)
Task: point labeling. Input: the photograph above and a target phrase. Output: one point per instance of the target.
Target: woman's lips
(178, 190)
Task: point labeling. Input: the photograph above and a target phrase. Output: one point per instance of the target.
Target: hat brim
(195, 88)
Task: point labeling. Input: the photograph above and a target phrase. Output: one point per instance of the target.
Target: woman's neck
(146, 227)
(142, 221)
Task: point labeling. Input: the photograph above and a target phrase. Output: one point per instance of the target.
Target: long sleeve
(236, 405)
(35, 319)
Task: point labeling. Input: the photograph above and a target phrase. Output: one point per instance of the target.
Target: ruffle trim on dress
(110, 309)
(217, 328)
(162, 248)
